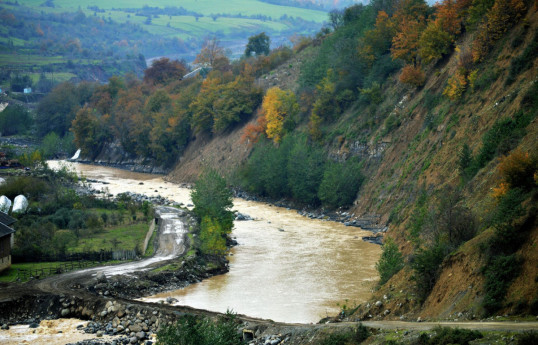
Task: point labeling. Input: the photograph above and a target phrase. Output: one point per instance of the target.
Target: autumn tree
(378, 40)
(434, 43)
(412, 75)
(212, 54)
(278, 107)
(163, 71)
(86, 132)
(253, 131)
(410, 21)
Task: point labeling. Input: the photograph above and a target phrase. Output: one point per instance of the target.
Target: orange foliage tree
(412, 75)
(252, 132)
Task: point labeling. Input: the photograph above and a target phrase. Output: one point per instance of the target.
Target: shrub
(361, 334)
(337, 339)
(390, 262)
(427, 265)
(517, 170)
(524, 61)
(456, 85)
(412, 75)
(446, 336)
(499, 273)
(528, 338)
(190, 330)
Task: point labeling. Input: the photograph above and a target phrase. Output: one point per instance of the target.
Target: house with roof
(6, 240)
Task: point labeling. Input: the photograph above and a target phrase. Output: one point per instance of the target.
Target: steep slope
(413, 153)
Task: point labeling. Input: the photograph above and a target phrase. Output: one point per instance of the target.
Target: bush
(390, 262)
(427, 265)
(340, 185)
(190, 330)
(528, 338)
(523, 61)
(412, 75)
(30, 187)
(499, 273)
(337, 339)
(446, 336)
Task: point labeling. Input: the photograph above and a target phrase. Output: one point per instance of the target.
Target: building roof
(5, 230)
(5, 219)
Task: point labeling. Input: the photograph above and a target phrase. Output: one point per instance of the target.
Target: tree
(212, 198)
(258, 44)
(336, 18)
(340, 185)
(410, 21)
(211, 53)
(434, 43)
(14, 119)
(278, 107)
(164, 71)
(412, 75)
(390, 262)
(212, 237)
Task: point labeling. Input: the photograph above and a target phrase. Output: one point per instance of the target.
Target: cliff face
(112, 154)
(416, 153)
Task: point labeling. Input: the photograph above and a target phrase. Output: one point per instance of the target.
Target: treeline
(157, 116)
(297, 170)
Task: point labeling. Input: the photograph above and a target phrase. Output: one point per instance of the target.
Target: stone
(64, 312)
(141, 335)
(34, 325)
(5, 326)
(135, 328)
(378, 304)
(133, 340)
(386, 312)
(99, 334)
(101, 277)
(103, 313)
(419, 319)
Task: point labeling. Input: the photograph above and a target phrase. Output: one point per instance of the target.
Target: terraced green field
(186, 26)
(205, 7)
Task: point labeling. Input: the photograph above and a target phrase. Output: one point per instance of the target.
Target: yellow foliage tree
(456, 85)
(278, 107)
(211, 237)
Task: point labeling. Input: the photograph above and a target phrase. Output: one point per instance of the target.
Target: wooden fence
(26, 274)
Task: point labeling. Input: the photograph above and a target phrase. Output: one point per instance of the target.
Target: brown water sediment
(286, 267)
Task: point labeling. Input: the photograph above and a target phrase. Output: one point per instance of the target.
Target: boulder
(5, 203)
(101, 277)
(20, 204)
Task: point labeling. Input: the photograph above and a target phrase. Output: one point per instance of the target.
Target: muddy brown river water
(287, 267)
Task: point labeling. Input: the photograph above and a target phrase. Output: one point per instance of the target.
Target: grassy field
(205, 7)
(186, 26)
(128, 237)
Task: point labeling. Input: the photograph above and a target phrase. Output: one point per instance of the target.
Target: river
(287, 267)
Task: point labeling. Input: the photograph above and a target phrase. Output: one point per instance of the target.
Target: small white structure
(27, 90)
(20, 204)
(76, 155)
(5, 204)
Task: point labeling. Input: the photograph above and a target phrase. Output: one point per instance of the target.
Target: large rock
(20, 204)
(5, 203)
(2, 181)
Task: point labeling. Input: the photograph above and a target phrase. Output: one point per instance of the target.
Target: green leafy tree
(391, 261)
(212, 198)
(258, 44)
(340, 185)
(14, 120)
